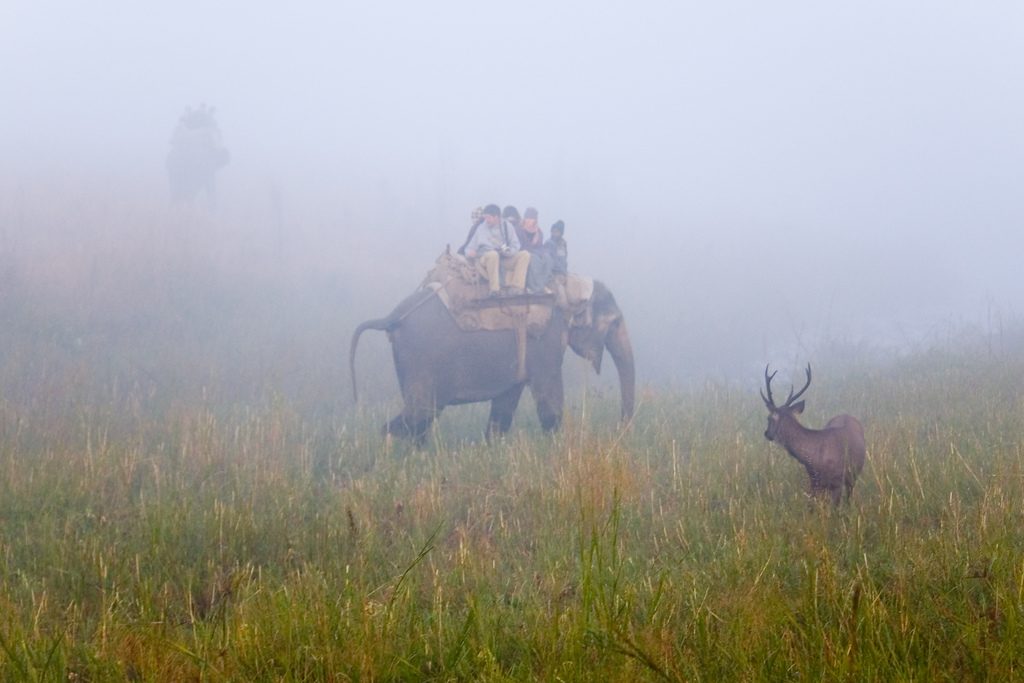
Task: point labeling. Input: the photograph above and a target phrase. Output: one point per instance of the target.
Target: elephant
(439, 364)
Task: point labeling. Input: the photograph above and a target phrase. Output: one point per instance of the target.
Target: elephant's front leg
(548, 394)
(503, 408)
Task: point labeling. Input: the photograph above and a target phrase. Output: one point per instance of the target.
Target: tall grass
(258, 546)
(186, 494)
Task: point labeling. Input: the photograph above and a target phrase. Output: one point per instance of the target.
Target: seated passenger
(558, 253)
(495, 247)
(510, 215)
(531, 237)
(559, 249)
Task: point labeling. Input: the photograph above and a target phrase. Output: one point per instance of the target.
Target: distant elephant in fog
(439, 364)
(197, 153)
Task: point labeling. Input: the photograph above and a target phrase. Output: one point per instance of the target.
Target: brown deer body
(833, 456)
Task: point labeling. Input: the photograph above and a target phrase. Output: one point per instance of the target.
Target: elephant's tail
(383, 324)
(387, 324)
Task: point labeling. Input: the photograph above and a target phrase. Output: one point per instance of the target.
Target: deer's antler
(768, 400)
(792, 397)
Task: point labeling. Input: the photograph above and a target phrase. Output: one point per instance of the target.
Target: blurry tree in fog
(197, 153)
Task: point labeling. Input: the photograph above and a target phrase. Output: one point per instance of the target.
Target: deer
(833, 456)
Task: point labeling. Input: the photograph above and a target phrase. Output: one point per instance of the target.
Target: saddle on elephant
(458, 283)
(464, 291)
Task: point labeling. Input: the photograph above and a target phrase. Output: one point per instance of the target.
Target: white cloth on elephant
(579, 288)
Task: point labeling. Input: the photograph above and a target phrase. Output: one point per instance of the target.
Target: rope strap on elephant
(521, 353)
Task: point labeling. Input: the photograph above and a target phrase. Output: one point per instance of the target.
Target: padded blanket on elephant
(531, 312)
(464, 291)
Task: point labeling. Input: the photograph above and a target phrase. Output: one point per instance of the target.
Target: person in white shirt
(495, 247)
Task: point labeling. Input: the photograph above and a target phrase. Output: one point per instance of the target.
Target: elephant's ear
(606, 311)
(586, 344)
(589, 341)
(604, 325)
(607, 327)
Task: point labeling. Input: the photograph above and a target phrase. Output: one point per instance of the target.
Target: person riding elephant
(495, 247)
(531, 238)
(510, 215)
(558, 248)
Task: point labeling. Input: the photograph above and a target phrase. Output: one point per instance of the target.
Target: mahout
(440, 364)
(833, 456)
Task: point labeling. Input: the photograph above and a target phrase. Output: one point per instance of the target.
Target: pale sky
(759, 167)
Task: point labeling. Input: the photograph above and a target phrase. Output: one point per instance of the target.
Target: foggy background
(754, 181)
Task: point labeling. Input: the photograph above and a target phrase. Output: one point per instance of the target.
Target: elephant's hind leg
(503, 408)
(412, 422)
(409, 427)
(421, 407)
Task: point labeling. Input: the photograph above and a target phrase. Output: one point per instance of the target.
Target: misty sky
(765, 167)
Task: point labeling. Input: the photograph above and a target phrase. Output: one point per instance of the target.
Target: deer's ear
(798, 408)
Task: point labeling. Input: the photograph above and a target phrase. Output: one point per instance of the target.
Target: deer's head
(777, 415)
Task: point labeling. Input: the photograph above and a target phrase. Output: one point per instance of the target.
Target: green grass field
(185, 494)
(257, 545)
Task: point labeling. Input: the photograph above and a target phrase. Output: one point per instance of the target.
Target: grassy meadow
(179, 502)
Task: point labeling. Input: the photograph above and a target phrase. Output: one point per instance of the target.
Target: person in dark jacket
(531, 238)
(558, 249)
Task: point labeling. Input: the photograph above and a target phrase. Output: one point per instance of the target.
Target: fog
(754, 181)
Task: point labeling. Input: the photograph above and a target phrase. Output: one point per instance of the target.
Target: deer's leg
(813, 490)
(836, 492)
(818, 490)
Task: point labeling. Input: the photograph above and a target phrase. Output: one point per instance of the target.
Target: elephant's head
(607, 328)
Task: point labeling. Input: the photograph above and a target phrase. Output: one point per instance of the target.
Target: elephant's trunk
(622, 353)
